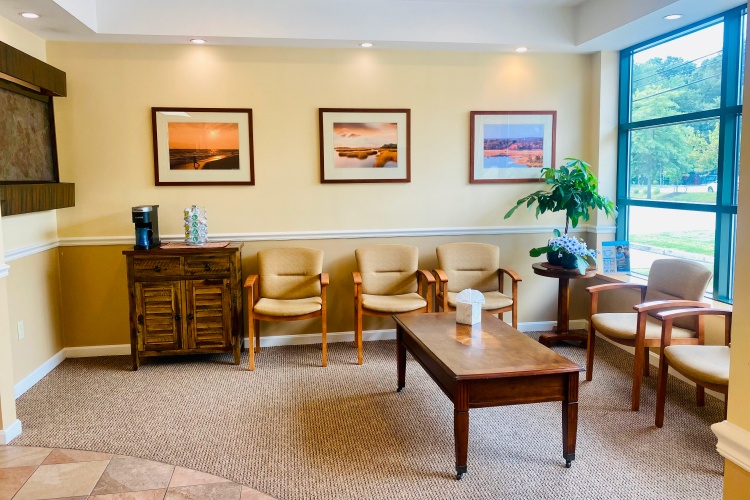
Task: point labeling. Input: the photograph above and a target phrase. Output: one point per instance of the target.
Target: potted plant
(571, 188)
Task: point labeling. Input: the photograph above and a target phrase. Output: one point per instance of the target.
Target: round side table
(563, 276)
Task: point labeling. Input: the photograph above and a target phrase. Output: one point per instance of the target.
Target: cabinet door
(209, 313)
(158, 311)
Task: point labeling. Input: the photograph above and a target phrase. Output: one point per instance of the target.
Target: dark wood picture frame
(368, 131)
(511, 126)
(225, 163)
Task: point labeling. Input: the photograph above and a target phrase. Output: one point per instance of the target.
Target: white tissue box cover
(469, 307)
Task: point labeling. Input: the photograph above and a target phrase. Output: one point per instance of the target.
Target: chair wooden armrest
(250, 280)
(511, 274)
(427, 294)
(357, 277)
(440, 275)
(427, 275)
(668, 317)
(606, 287)
(252, 284)
(324, 281)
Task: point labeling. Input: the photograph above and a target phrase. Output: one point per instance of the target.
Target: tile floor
(51, 473)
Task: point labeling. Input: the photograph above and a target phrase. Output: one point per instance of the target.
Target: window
(678, 148)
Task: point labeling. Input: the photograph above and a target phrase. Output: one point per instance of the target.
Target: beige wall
(737, 480)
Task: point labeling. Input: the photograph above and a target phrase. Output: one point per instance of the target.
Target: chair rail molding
(4, 270)
(733, 443)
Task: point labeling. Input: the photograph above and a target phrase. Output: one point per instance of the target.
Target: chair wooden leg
(358, 335)
(257, 335)
(591, 342)
(700, 395)
(726, 403)
(637, 377)
(251, 344)
(323, 334)
(661, 390)
(646, 364)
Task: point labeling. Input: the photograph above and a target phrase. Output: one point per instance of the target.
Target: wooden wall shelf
(25, 198)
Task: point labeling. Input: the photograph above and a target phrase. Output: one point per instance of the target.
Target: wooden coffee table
(487, 364)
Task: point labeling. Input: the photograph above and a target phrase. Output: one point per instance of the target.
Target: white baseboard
(38, 374)
(733, 443)
(12, 432)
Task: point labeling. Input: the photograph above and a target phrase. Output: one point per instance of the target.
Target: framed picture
(364, 145)
(511, 146)
(203, 146)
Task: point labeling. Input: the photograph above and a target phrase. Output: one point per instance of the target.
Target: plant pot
(562, 259)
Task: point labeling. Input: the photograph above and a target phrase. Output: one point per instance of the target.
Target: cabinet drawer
(207, 265)
(149, 267)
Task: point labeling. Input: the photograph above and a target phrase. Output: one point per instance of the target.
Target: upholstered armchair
(476, 266)
(388, 282)
(672, 283)
(705, 365)
(290, 286)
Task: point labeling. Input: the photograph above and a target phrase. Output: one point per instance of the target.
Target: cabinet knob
(157, 269)
(177, 317)
(207, 267)
(190, 316)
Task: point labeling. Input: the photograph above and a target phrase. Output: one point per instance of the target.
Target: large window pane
(680, 76)
(743, 45)
(675, 163)
(657, 233)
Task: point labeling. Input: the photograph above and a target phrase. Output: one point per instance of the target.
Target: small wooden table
(562, 330)
(487, 364)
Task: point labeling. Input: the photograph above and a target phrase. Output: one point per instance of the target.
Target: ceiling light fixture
(197, 40)
(29, 15)
(522, 49)
(365, 45)
(672, 17)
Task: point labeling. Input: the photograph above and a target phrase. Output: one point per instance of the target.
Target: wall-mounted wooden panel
(31, 70)
(24, 198)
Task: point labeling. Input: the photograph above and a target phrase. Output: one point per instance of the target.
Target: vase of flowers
(571, 188)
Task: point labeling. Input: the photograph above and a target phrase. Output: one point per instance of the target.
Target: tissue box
(469, 307)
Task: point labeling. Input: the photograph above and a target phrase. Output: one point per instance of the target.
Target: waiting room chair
(388, 282)
(672, 283)
(475, 266)
(290, 286)
(705, 365)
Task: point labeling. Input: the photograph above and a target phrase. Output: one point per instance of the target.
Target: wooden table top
(550, 271)
(490, 349)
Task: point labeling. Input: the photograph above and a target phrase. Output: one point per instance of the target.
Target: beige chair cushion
(288, 307)
(708, 364)
(393, 303)
(469, 265)
(492, 300)
(388, 269)
(623, 326)
(671, 279)
(290, 273)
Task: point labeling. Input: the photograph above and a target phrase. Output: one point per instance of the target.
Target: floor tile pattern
(30, 473)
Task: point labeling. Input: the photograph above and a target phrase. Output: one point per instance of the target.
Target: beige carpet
(295, 430)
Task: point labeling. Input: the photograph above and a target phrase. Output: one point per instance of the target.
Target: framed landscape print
(364, 145)
(511, 146)
(203, 146)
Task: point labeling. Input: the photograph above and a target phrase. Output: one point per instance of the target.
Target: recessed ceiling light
(672, 17)
(365, 45)
(29, 15)
(198, 40)
(522, 49)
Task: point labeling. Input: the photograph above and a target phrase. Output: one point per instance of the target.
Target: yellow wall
(105, 147)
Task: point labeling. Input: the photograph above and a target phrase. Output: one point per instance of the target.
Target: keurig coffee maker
(146, 219)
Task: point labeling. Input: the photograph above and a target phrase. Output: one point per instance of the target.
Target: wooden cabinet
(184, 301)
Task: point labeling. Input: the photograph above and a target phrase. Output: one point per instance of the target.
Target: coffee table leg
(570, 419)
(400, 359)
(461, 428)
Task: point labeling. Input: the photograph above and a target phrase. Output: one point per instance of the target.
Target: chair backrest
(671, 279)
(290, 273)
(388, 269)
(470, 265)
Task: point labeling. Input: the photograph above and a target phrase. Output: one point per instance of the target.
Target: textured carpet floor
(295, 430)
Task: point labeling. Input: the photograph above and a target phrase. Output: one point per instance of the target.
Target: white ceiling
(468, 25)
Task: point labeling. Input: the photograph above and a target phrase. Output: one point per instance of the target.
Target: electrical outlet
(21, 332)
